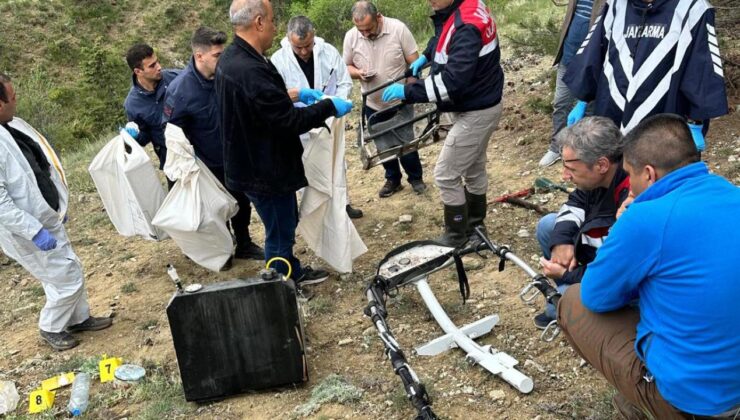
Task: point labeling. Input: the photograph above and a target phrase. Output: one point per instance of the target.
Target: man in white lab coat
(307, 61)
(33, 207)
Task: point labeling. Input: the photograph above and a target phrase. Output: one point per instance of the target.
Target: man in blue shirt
(674, 249)
(145, 100)
(580, 15)
(191, 104)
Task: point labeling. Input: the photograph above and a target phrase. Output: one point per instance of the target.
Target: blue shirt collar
(673, 180)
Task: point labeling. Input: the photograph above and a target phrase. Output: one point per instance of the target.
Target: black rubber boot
(477, 209)
(456, 226)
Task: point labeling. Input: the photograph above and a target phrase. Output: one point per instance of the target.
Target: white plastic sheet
(8, 397)
(197, 208)
(324, 223)
(128, 186)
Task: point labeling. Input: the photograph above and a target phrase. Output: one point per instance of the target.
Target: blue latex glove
(44, 240)
(341, 106)
(577, 113)
(417, 65)
(132, 129)
(698, 136)
(394, 91)
(309, 96)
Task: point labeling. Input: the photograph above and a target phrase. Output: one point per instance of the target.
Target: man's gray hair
(363, 8)
(592, 138)
(300, 26)
(243, 12)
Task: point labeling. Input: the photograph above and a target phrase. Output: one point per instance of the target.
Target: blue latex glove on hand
(577, 113)
(44, 240)
(417, 65)
(394, 91)
(341, 106)
(309, 96)
(132, 129)
(698, 136)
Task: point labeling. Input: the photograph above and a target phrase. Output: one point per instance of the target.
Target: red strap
(625, 184)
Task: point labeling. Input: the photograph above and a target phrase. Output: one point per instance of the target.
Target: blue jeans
(410, 162)
(562, 103)
(544, 231)
(279, 214)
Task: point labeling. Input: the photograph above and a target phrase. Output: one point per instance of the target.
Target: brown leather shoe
(389, 188)
(91, 324)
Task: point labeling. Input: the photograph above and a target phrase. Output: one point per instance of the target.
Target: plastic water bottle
(80, 391)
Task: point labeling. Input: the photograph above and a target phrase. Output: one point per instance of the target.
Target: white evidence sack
(129, 187)
(197, 208)
(324, 223)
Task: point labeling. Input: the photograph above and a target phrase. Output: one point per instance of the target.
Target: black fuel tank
(236, 336)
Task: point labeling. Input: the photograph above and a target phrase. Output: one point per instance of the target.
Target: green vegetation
(129, 288)
(333, 388)
(321, 305)
(67, 57)
(79, 364)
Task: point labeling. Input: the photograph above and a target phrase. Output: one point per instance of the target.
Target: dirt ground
(127, 276)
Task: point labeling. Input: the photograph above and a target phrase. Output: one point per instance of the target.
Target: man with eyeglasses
(592, 160)
(305, 60)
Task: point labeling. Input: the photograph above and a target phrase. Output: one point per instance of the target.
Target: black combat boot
(477, 209)
(456, 226)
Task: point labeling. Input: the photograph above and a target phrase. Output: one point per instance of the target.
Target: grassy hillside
(67, 56)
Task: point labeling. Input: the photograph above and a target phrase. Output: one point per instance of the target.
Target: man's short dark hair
(136, 54)
(662, 141)
(4, 78)
(204, 38)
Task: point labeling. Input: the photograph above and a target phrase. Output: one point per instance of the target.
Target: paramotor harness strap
(462, 277)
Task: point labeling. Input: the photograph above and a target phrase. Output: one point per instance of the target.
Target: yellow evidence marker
(40, 400)
(108, 367)
(58, 381)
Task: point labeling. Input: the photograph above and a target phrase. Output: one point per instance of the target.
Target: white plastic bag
(197, 208)
(128, 186)
(8, 397)
(324, 223)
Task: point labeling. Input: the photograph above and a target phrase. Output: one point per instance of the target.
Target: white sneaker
(549, 158)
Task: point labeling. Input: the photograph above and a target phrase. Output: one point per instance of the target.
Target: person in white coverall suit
(33, 206)
(307, 61)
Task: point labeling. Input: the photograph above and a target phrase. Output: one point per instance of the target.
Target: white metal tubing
(524, 266)
(517, 379)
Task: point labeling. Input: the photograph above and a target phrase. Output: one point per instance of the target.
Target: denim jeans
(279, 214)
(562, 103)
(544, 231)
(410, 162)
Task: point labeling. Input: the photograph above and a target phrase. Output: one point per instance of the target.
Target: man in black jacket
(466, 80)
(260, 130)
(592, 159)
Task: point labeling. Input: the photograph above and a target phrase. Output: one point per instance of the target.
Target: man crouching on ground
(675, 249)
